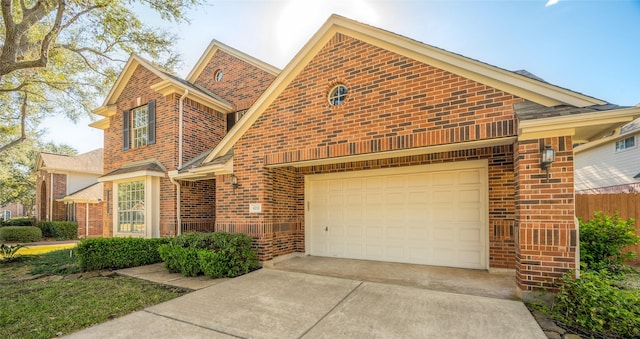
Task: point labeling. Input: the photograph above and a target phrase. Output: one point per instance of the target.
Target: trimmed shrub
(602, 239)
(116, 253)
(47, 228)
(19, 222)
(61, 230)
(593, 303)
(180, 260)
(214, 254)
(20, 233)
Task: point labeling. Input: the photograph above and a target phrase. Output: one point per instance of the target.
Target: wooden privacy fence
(627, 205)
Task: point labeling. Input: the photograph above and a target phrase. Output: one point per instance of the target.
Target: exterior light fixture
(548, 157)
(234, 181)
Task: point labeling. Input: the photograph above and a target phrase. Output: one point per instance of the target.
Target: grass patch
(44, 309)
(38, 309)
(59, 262)
(41, 249)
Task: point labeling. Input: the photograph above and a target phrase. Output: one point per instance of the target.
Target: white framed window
(131, 207)
(337, 94)
(71, 211)
(625, 143)
(6, 215)
(140, 126)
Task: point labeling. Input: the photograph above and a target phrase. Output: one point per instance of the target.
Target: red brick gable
(393, 103)
(241, 84)
(164, 150)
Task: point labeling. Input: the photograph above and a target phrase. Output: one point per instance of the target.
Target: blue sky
(592, 47)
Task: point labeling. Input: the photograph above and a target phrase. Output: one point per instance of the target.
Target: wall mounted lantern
(234, 181)
(548, 157)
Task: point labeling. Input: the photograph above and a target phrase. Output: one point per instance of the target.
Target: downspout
(180, 138)
(180, 123)
(86, 220)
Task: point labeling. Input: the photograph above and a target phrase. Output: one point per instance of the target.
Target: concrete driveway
(279, 304)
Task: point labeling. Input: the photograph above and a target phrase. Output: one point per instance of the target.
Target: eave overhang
(130, 175)
(203, 172)
(584, 128)
(170, 86)
(102, 124)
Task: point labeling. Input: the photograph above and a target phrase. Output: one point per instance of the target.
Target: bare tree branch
(23, 135)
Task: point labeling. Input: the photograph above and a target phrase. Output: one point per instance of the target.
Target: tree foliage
(61, 56)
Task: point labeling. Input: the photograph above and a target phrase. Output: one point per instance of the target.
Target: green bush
(214, 254)
(116, 253)
(61, 230)
(19, 222)
(592, 302)
(602, 239)
(20, 233)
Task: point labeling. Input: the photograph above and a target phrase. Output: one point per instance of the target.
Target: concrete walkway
(158, 274)
(279, 304)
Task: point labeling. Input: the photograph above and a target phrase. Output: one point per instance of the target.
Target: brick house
(368, 145)
(67, 189)
(12, 210)
(155, 122)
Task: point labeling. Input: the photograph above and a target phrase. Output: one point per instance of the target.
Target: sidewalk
(158, 274)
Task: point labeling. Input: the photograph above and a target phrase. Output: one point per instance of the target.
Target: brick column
(546, 237)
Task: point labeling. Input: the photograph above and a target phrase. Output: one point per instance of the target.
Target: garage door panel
(423, 217)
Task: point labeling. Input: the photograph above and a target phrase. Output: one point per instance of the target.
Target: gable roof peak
(215, 46)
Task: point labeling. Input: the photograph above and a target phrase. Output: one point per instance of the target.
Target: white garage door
(431, 215)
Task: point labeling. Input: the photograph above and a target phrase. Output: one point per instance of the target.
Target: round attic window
(217, 76)
(337, 94)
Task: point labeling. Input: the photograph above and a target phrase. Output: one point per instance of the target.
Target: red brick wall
(198, 199)
(203, 128)
(59, 191)
(95, 219)
(242, 83)
(546, 236)
(393, 103)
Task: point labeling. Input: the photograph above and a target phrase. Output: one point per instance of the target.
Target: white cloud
(551, 3)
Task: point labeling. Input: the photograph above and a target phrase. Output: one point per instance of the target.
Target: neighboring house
(67, 190)
(368, 145)
(12, 210)
(610, 164)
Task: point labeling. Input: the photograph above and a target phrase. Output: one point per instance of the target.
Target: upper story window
(337, 94)
(139, 126)
(626, 143)
(217, 76)
(232, 118)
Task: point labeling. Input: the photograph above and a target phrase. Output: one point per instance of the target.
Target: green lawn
(44, 309)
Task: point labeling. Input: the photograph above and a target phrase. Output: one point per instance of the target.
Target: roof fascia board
(402, 153)
(522, 86)
(124, 77)
(527, 88)
(105, 111)
(548, 127)
(215, 46)
(170, 86)
(132, 175)
(102, 124)
(203, 173)
(295, 66)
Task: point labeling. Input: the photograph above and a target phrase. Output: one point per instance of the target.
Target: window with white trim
(131, 207)
(140, 126)
(337, 94)
(626, 143)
